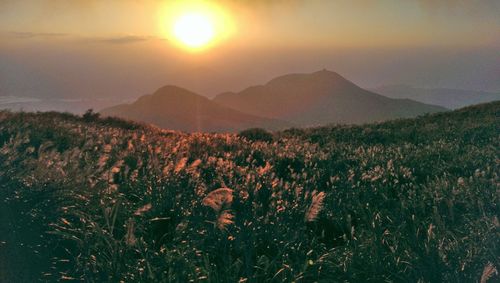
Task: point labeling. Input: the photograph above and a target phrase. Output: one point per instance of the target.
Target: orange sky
(74, 44)
(265, 23)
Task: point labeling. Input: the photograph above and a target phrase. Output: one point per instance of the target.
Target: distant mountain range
(176, 108)
(313, 99)
(445, 97)
(320, 98)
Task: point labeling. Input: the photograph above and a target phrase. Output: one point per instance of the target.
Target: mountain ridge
(445, 97)
(318, 98)
(177, 108)
(311, 99)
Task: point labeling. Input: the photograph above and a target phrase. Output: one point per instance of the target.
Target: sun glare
(195, 30)
(195, 25)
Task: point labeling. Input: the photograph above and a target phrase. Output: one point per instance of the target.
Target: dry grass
(315, 207)
(219, 199)
(488, 272)
(403, 201)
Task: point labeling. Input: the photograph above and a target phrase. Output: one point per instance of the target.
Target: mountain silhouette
(175, 108)
(320, 98)
(446, 97)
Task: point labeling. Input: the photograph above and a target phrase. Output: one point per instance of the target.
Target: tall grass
(405, 201)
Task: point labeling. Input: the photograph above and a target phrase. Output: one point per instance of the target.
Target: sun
(195, 25)
(194, 29)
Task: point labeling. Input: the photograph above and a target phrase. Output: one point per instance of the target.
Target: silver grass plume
(315, 207)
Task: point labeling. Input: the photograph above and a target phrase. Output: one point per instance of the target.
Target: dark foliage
(90, 116)
(257, 134)
(108, 200)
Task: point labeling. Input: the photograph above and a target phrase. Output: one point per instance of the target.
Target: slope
(175, 108)
(320, 98)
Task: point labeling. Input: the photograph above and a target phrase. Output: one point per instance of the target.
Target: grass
(95, 200)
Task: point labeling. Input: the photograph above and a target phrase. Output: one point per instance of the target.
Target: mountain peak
(172, 90)
(173, 95)
(326, 72)
(321, 77)
(176, 108)
(319, 98)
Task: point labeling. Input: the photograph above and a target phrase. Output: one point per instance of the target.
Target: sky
(124, 48)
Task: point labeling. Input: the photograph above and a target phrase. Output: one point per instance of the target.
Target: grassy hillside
(105, 200)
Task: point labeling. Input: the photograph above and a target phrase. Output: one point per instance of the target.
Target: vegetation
(257, 134)
(405, 201)
(90, 115)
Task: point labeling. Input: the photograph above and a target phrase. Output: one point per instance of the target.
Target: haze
(118, 49)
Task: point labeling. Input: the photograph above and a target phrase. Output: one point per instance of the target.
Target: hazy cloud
(125, 39)
(29, 35)
(128, 39)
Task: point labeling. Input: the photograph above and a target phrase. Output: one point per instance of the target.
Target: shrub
(90, 116)
(257, 134)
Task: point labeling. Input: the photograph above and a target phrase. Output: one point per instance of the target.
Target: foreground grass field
(87, 199)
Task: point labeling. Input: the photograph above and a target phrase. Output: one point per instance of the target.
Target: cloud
(127, 39)
(29, 35)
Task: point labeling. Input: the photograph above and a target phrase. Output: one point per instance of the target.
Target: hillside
(171, 107)
(320, 98)
(105, 200)
(448, 98)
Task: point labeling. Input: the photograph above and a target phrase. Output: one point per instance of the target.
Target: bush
(90, 116)
(257, 134)
(121, 123)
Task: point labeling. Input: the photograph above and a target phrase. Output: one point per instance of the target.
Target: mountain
(445, 97)
(176, 108)
(320, 98)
